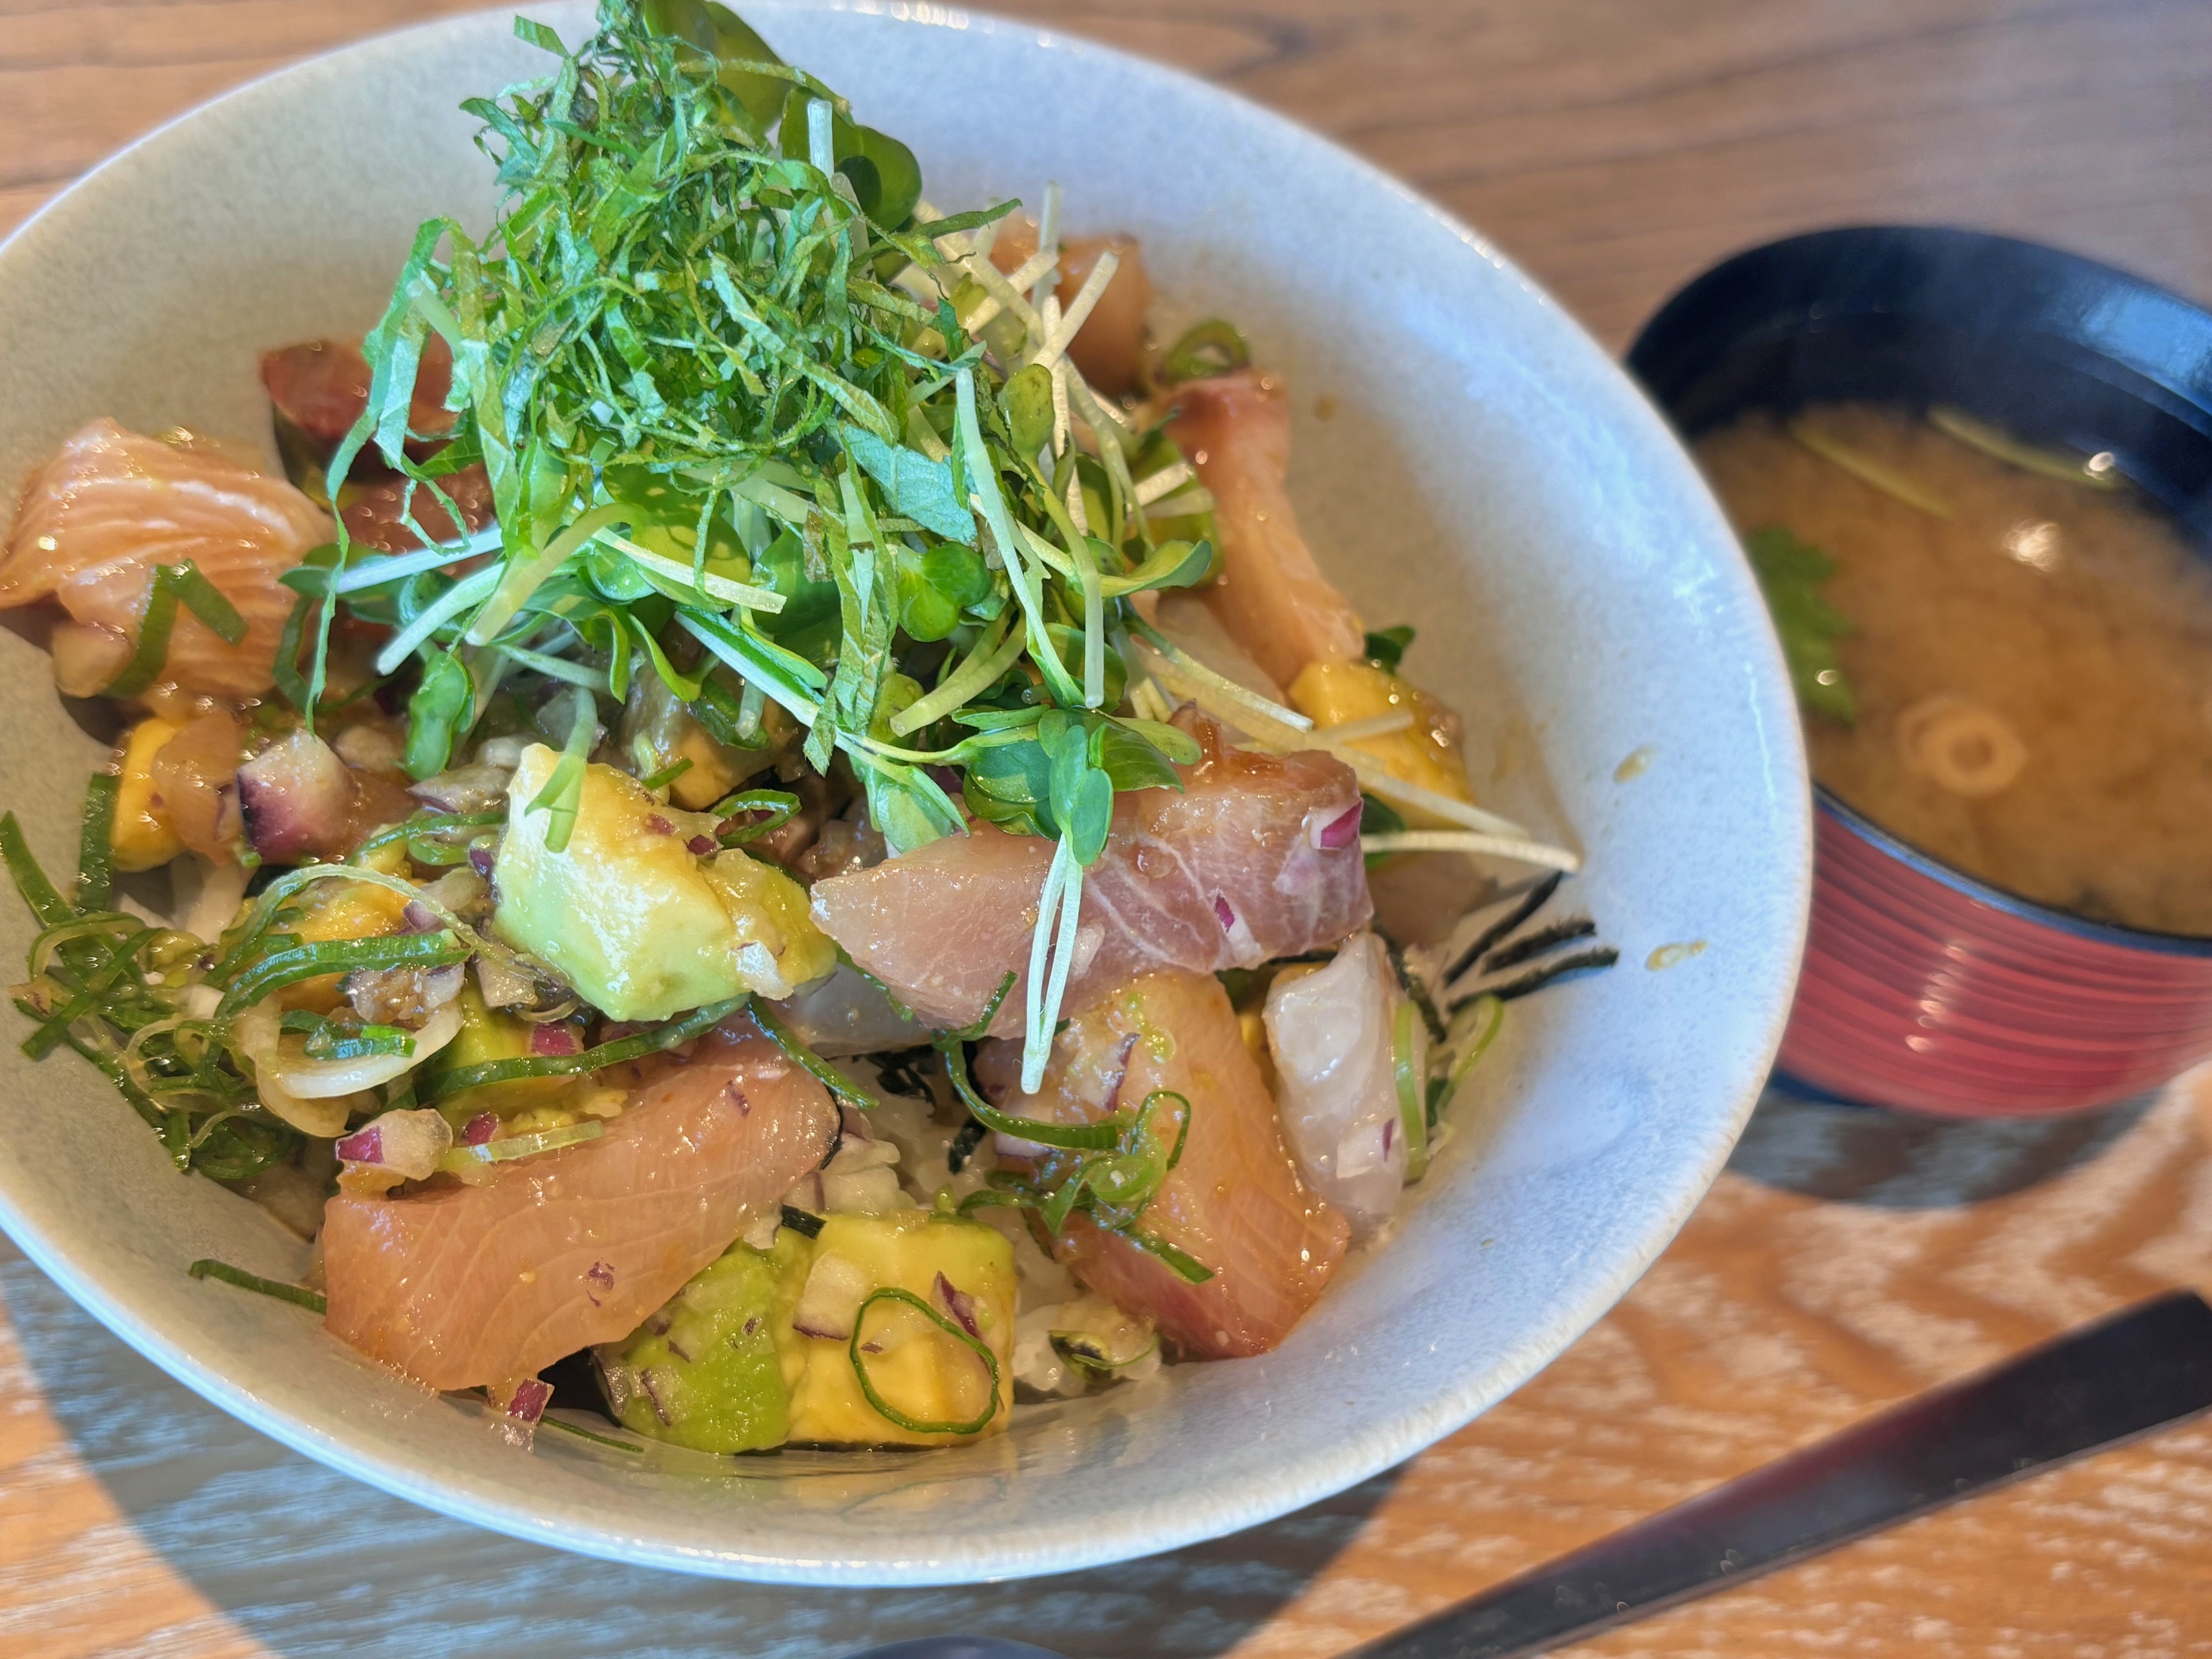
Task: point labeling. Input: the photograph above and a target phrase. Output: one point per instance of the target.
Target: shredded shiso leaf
(719, 373)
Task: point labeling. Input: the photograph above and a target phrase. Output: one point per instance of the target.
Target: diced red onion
(1339, 832)
(554, 1040)
(958, 1304)
(658, 825)
(518, 1419)
(1244, 950)
(531, 1395)
(419, 918)
(480, 858)
(408, 1143)
(699, 846)
(480, 1129)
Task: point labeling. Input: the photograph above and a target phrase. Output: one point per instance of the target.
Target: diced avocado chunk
(925, 1375)
(704, 1371)
(642, 927)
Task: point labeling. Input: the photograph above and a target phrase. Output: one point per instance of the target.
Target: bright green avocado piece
(643, 927)
(704, 1373)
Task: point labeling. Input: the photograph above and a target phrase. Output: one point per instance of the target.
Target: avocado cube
(915, 1368)
(641, 925)
(704, 1371)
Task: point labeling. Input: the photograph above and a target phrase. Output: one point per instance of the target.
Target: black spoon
(2112, 1382)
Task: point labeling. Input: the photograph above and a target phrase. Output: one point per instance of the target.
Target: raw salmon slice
(1235, 1202)
(1257, 858)
(111, 506)
(466, 1286)
(1271, 597)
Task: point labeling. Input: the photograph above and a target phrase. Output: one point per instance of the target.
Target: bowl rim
(1924, 238)
(1307, 1480)
(1671, 313)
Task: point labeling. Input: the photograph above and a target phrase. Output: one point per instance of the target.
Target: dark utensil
(2112, 1382)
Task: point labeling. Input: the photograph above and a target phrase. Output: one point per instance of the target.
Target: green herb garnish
(1790, 573)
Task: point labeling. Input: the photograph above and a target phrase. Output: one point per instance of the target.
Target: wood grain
(1613, 147)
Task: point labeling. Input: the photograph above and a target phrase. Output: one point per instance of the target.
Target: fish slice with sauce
(461, 1286)
(1271, 598)
(110, 507)
(1235, 1202)
(1257, 857)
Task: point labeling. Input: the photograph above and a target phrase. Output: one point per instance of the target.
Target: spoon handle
(2132, 1374)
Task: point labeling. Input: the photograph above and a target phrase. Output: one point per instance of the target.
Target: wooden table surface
(1846, 1259)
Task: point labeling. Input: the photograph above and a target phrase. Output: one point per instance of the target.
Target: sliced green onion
(891, 1414)
(1995, 441)
(550, 1421)
(1867, 469)
(1185, 1267)
(458, 1078)
(174, 583)
(95, 858)
(507, 1151)
(812, 1064)
(1413, 1104)
(423, 825)
(1102, 1136)
(298, 1294)
(45, 903)
(976, 1030)
(333, 1041)
(780, 806)
(1212, 347)
(288, 967)
(667, 774)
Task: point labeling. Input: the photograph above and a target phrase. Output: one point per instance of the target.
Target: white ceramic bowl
(1482, 470)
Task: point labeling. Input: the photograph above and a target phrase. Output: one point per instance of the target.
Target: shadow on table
(310, 1562)
(1856, 1154)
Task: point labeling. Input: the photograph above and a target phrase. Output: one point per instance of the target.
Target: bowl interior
(1467, 459)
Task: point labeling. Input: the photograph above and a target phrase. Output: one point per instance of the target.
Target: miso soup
(2030, 657)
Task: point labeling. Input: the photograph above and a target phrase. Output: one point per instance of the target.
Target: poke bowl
(1464, 460)
(1929, 985)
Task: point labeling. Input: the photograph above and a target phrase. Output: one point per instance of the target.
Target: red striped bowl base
(1926, 991)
